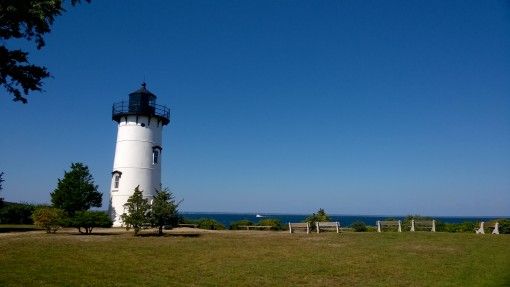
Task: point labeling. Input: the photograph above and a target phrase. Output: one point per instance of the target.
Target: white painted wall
(134, 158)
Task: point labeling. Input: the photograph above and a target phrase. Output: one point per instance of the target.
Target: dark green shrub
(504, 226)
(90, 219)
(320, 216)
(371, 228)
(235, 225)
(17, 213)
(359, 226)
(274, 223)
(467, 226)
(209, 223)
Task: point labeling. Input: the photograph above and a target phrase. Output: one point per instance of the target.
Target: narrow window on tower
(155, 156)
(156, 153)
(116, 182)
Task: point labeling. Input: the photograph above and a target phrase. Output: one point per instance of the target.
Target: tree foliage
(138, 212)
(17, 213)
(164, 210)
(359, 226)
(49, 218)
(1, 188)
(504, 226)
(209, 223)
(274, 223)
(236, 225)
(29, 20)
(320, 216)
(88, 220)
(76, 191)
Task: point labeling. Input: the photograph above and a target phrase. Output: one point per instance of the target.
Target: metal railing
(124, 108)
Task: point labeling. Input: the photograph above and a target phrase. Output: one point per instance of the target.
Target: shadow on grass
(169, 235)
(16, 229)
(95, 234)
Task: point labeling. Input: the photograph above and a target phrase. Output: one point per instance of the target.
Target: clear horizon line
(338, 214)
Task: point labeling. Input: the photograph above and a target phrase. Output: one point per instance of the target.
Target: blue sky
(358, 107)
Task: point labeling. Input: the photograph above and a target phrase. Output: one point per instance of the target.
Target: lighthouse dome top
(141, 103)
(143, 90)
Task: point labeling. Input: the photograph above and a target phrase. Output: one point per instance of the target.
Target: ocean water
(345, 220)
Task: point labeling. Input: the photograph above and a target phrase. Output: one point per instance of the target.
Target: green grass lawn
(257, 258)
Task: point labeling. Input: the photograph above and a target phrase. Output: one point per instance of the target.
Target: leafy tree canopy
(1, 180)
(76, 191)
(164, 210)
(320, 216)
(138, 211)
(29, 20)
(17, 213)
(90, 219)
(49, 218)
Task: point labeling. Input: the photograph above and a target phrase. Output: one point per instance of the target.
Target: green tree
(138, 211)
(359, 226)
(209, 223)
(90, 219)
(17, 213)
(28, 20)
(274, 223)
(164, 210)
(76, 191)
(1, 180)
(236, 224)
(49, 218)
(504, 226)
(320, 216)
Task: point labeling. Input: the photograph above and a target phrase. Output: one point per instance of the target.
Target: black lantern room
(141, 103)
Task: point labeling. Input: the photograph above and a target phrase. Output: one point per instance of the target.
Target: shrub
(17, 213)
(467, 226)
(235, 225)
(274, 223)
(90, 219)
(208, 223)
(504, 226)
(49, 218)
(320, 216)
(359, 226)
(371, 229)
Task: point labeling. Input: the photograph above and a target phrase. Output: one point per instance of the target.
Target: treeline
(212, 224)
(357, 226)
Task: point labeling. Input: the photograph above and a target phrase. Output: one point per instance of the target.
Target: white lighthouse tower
(138, 150)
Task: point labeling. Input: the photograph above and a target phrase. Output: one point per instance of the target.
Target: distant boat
(258, 215)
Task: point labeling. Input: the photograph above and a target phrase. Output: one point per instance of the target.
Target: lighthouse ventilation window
(155, 156)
